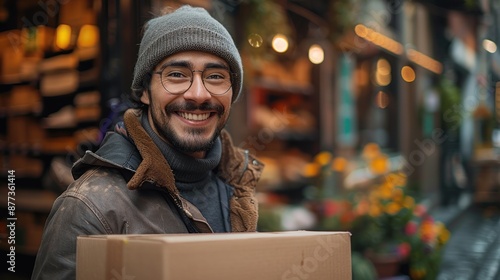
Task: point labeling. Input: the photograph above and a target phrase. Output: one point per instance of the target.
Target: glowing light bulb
(316, 54)
(280, 43)
(408, 74)
(88, 37)
(489, 46)
(63, 36)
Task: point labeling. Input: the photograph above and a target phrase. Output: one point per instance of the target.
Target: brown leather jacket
(126, 188)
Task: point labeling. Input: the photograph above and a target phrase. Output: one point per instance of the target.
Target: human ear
(145, 97)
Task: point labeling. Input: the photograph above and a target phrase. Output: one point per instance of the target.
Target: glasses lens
(177, 80)
(217, 80)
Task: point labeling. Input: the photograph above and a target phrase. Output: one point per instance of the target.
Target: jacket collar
(153, 168)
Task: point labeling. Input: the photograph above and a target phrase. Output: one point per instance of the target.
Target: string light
(408, 74)
(378, 39)
(395, 47)
(383, 72)
(489, 46)
(425, 61)
(316, 54)
(280, 43)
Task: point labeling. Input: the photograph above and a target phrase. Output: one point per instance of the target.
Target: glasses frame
(231, 76)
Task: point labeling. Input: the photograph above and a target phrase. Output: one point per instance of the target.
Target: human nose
(197, 91)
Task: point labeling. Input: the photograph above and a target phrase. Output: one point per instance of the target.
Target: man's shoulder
(115, 151)
(97, 181)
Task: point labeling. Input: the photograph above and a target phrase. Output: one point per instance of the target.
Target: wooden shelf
(31, 200)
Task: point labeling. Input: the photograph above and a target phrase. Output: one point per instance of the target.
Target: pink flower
(404, 249)
(347, 218)
(331, 208)
(411, 228)
(420, 210)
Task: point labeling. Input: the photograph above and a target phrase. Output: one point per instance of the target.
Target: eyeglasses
(178, 79)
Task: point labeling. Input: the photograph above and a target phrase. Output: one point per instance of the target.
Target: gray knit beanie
(185, 29)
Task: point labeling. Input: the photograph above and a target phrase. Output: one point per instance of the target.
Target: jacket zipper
(187, 217)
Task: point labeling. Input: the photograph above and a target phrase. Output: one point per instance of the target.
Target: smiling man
(188, 108)
(169, 167)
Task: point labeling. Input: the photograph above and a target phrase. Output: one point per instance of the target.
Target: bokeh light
(383, 72)
(63, 36)
(489, 46)
(88, 37)
(255, 40)
(316, 54)
(408, 74)
(280, 43)
(382, 100)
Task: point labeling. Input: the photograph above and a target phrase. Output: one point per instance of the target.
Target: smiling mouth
(194, 117)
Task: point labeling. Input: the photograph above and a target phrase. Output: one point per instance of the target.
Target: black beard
(187, 148)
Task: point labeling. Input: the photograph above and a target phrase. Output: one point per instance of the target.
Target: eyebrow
(184, 63)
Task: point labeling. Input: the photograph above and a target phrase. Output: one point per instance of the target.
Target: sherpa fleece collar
(154, 167)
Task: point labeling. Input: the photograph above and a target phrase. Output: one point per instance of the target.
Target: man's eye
(176, 75)
(215, 76)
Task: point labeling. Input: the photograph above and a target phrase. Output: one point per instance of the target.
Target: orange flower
(323, 158)
(427, 232)
(443, 234)
(363, 207)
(339, 164)
(370, 151)
(392, 208)
(409, 202)
(396, 179)
(384, 192)
(375, 210)
(311, 170)
(379, 164)
(398, 195)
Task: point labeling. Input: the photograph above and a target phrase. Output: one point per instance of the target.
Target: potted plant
(389, 228)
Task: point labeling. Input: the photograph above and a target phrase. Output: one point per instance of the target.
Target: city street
(473, 252)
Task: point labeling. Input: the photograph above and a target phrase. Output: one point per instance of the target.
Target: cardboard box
(289, 255)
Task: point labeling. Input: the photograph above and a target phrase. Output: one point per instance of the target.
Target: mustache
(192, 106)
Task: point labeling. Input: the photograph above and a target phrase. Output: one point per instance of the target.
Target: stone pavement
(473, 252)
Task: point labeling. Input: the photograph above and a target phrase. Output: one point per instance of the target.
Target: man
(170, 167)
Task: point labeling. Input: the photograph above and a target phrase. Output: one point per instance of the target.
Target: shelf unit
(284, 129)
(50, 105)
(287, 114)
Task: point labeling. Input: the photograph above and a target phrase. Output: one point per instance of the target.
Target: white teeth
(195, 117)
